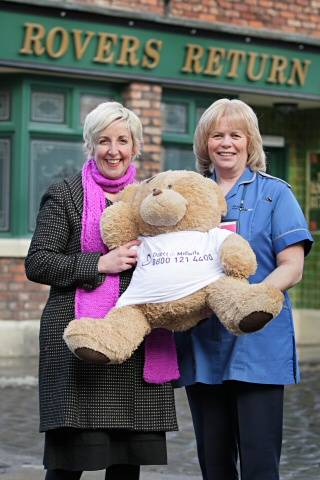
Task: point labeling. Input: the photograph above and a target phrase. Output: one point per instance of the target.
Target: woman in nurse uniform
(235, 385)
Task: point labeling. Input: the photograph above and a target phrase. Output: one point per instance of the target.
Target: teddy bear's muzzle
(163, 208)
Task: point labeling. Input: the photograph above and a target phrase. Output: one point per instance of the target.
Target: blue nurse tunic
(270, 218)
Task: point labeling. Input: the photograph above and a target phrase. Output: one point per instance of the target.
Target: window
(50, 162)
(180, 115)
(179, 158)
(48, 107)
(4, 105)
(40, 141)
(174, 117)
(88, 103)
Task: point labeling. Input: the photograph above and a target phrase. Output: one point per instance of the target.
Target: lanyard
(243, 196)
(240, 208)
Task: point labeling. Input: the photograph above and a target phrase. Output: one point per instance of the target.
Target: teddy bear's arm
(237, 257)
(117, 225)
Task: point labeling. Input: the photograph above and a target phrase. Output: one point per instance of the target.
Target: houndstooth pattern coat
(74, 393)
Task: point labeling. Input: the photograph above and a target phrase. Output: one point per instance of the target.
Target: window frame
(22, 130)
(192, 100)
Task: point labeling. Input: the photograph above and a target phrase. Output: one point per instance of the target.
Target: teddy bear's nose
(156, 191)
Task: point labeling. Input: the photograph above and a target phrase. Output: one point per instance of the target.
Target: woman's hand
(119, 259)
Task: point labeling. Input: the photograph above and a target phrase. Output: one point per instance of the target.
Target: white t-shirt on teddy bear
(173, 265)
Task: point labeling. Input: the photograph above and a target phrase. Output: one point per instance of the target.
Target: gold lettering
(214, 66)
(79, 45)
(151, 52)
(251, 68)
(236, 56)
(299, 72)
(55, 33)
(192, 63)
(105, 45)
(278, 67)
(34, 34)
(128, 52)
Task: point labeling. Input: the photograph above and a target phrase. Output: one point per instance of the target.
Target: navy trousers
(237, 420)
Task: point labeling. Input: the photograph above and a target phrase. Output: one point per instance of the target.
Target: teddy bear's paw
(254, 322)
(90, 355)
(87, 340)
(265, 303)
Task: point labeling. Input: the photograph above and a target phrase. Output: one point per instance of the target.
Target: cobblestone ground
(21, 445)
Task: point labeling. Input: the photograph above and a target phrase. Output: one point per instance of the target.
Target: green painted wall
(302, 134)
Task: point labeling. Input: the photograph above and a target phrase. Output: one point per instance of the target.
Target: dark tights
(115, 472)
(119, 472)
(62, 475)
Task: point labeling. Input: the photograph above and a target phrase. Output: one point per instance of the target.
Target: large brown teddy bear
(187, 267)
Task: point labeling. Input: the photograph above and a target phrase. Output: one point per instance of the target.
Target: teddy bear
(187, 268)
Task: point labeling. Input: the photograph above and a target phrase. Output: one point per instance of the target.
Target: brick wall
(293, 16)
(145, 100)
(19, 298)
(149, 6)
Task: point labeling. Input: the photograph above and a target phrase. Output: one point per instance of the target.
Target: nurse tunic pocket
(261, 222)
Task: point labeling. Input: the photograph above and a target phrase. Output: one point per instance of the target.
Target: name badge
(232, 226)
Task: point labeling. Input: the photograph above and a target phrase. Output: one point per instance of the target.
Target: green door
(277, 162)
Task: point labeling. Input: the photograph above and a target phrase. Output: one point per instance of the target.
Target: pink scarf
(96, 303)
(160, 353)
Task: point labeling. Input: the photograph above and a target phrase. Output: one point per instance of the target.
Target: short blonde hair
(104, 115)
(241, 116)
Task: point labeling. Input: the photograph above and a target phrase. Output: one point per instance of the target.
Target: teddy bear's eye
(169, 186)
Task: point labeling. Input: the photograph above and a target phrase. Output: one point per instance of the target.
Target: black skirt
(86, 450)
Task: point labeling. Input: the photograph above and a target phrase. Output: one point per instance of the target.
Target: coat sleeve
(48, 260)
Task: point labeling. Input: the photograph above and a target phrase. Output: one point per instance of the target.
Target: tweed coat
(74, 393)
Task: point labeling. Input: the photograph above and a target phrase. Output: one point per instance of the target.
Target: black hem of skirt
(89, 450)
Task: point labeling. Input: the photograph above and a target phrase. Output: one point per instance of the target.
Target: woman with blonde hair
(94, 416)
(235, 384)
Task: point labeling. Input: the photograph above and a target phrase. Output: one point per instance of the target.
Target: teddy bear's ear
(128, 193)
(221, 200)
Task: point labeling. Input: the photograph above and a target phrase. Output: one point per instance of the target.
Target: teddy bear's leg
(241, 307)
(109, 340)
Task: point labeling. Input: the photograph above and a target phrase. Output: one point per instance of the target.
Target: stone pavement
(21, 444)
(37, 474)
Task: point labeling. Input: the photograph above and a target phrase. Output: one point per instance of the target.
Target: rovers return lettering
(194, 60)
